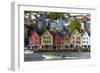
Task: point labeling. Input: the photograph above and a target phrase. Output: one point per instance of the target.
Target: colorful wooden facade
(34, 40)
(57, 40)
(47, 40)
(76, 39)
(65, 41)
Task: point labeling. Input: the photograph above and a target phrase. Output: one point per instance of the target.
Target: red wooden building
(57, 40)
(34, 40)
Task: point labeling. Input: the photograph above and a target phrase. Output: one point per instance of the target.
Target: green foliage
(32, 22)
(25, 35)
(74, 24)
(54, 15)
(25, 38)
(44, 27)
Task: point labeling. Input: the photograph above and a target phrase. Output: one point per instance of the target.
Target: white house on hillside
(85, 40)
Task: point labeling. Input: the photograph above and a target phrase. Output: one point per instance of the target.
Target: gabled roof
(75, 31)
(85, 32)
(33, 33)
(45, 32)
(57, 33)
(60, 33)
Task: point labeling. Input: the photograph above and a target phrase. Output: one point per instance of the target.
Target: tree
(74, 24)
(54, 15)
(44, 27)
(25, 38)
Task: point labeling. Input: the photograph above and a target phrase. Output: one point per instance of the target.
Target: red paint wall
(34, 39)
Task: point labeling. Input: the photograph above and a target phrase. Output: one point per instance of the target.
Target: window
(76, 41)
(83, 41)
(43, 41)
(49, 41)
(46, 42)
(83, 38)
(44, 37)
(49, 37)
(78, 37)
